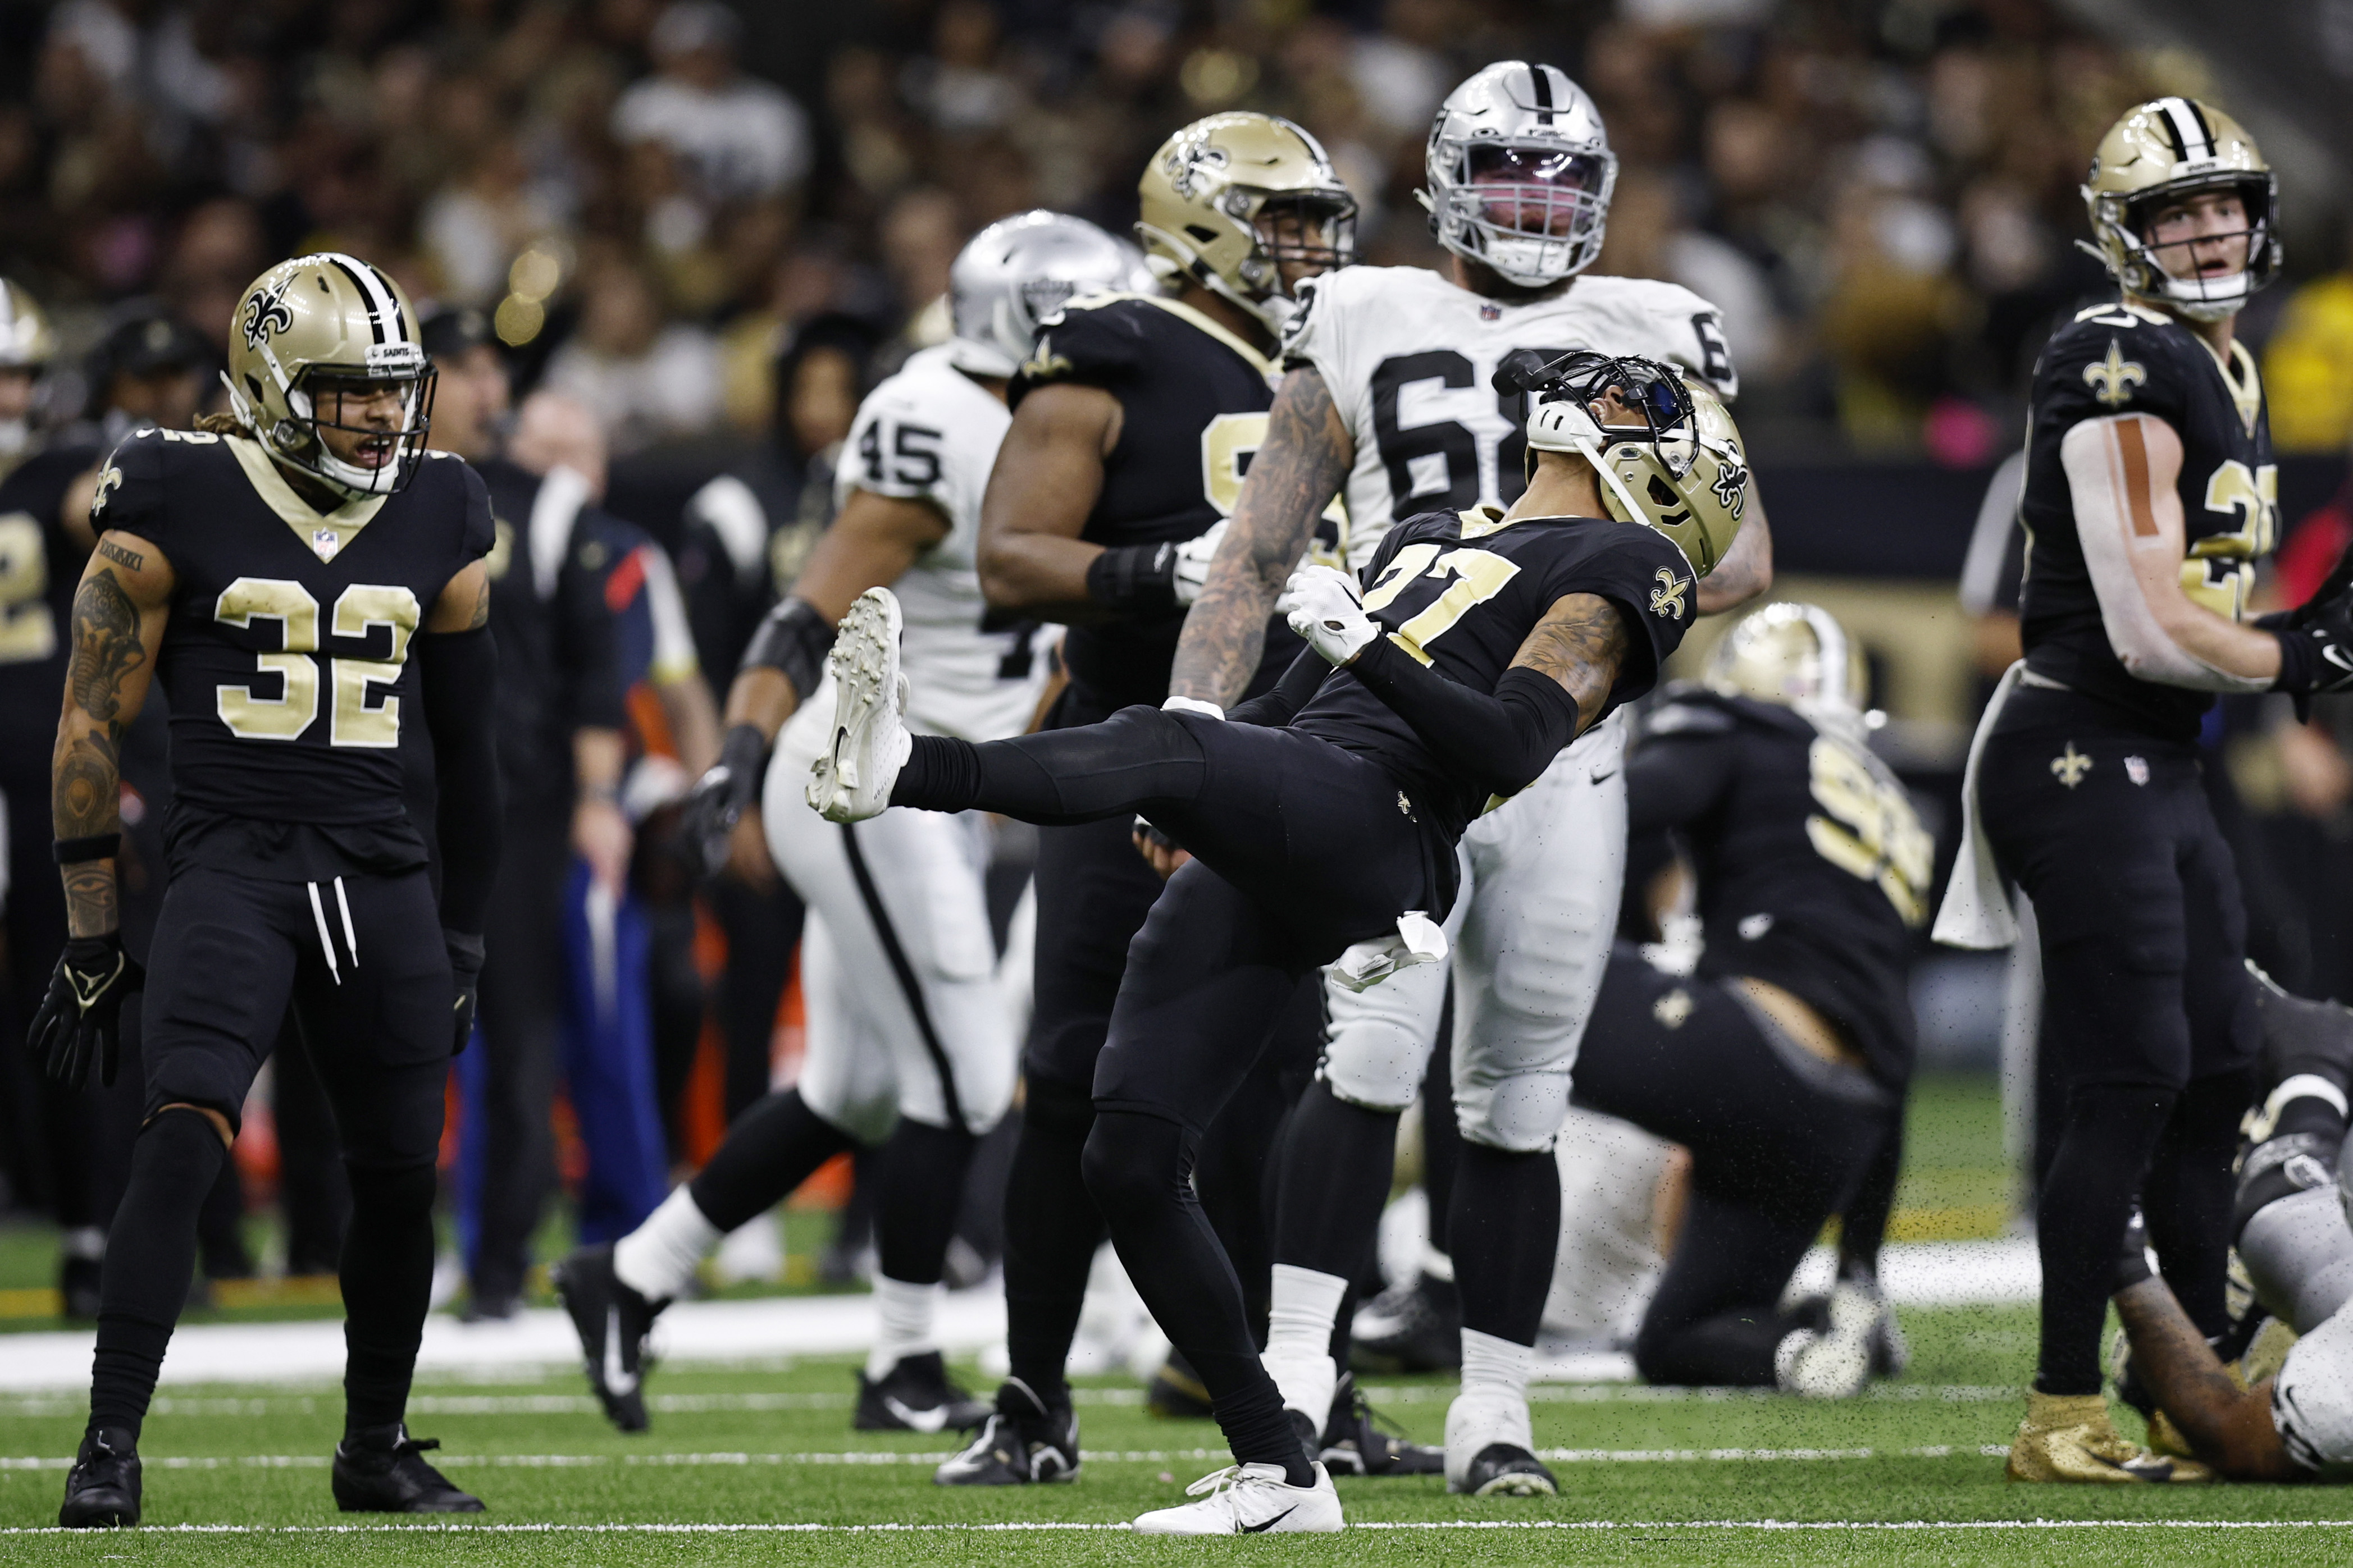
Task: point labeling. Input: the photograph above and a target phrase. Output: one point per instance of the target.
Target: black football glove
(80, 1020)
(2315, 649)
(466, 971)
(719, 799)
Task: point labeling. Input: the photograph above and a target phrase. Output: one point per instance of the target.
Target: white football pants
(906, 1013)
(1531, 931)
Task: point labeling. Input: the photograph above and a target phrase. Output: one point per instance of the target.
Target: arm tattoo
(105, 648)
(85, 785)
(115, 553)
(1582, 642)
(1295, 476)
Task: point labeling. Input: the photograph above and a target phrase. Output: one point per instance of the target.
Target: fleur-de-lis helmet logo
(266, 315)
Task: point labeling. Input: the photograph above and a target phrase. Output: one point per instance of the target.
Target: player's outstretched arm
(1307, 454)
(1747, 570)
(1048, 476)
(2228, 1426)
(119, 612)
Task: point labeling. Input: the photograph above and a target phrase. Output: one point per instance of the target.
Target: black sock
(2108, 1133)
(921, 1188)
(151, 1257)
(941, 773)
(1337, 1160)
(1505, 1228)
(769, 1151)
(388, 1279)
(2189, 1194)
(1052, 1231)
(2310, 1114)
(1140, 1169)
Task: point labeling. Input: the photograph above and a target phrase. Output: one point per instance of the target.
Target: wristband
(1133, 578)
(2299, 662)
(794, 638)
(96, 846)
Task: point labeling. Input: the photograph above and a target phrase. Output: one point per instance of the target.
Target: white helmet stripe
(2191, 137)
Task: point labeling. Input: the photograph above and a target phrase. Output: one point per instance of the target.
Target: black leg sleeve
(151, 1256)
(1506, 1232)
(1441, 1136)
(915, 1211)
(769, 1151)
(1136, 756)
(1337, 1162)
(1862, 1231)
(1051, 1230)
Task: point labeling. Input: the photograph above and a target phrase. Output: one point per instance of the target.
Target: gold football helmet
(25, 341)
(310, 333)
(1668, 455)
(1794, 655)
(1229, 199)
(2160, 151)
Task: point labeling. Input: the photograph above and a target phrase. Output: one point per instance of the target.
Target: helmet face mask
(315, 345)
(1019, 271)
(1520, 173)
(1245, 205)
(2158, 160)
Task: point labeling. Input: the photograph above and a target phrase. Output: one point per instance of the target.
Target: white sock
(1490, 1365)
(903, 1314)
(657, 1259)
(1435, 1264)
(1300, 1315)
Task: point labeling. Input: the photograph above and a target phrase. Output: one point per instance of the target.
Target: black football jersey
(285, 659)
(2123, 359)
(1813, 869)
(40, 566)
(1461, 591)
(1194, 399)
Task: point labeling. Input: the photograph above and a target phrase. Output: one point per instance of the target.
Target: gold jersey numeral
(286, 716)
(1870, 831)
(28, 629)
(1478, 576)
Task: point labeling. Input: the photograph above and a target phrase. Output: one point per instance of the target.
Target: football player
(279, 569)
(897, 958)
(2237, 1407)
(2150, 493)
(1322, 819)
(1782, 1064)
(1132, 423)
(1388, 399)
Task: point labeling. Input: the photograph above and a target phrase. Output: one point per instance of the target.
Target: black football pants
(1300, 849)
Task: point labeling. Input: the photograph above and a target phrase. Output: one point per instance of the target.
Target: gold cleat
(2069, 1438)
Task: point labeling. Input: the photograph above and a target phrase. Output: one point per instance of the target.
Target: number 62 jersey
(285, 657)
(1408, 357)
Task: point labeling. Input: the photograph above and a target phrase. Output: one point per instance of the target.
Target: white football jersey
(1408, 357)
(931, 432)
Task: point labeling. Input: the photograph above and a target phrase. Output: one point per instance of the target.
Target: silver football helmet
(1519, 171)
(1021, 270)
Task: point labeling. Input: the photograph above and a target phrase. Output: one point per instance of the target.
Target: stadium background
(718, 232)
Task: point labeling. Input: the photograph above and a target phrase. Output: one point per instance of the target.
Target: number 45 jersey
(930, 434)
(1409, 357)
(286, 655)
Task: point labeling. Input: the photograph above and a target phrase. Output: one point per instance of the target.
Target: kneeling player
(2292, 1234)
(1324, 817)
(1782, 1064)
(277, 573)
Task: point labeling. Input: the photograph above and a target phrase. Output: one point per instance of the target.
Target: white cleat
(1249, 1500)
(1489, 1448)
(852, 780)
(1835, 1363)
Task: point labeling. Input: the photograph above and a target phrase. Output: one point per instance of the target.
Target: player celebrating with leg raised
(278, 572)
(1387, 399)
(1324, 819)
(2149, 495)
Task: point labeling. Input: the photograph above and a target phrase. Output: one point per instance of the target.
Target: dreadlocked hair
(220, 425)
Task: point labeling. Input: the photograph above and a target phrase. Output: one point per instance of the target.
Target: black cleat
(103, 1487)
(1416, 1326)
(382, 1470)
(1176, 1392)
(1357, 1441)
(917, 1395)
(1505, 1470)
(613, 1322)
(1024, 1442)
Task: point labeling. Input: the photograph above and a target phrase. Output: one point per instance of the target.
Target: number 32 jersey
(286, 655)
(1409, 357)
(930, 434)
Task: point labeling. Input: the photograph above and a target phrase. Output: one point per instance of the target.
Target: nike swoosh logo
(931, 1420)
(1270, 1524)
(1605, 778)
(2337, 657)
(2151, 1470)
(619, 1380)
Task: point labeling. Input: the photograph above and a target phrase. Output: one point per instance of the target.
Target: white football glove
(1193, 562)
(1322, 605)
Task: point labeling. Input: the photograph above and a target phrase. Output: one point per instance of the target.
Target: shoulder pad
(2111, 359)
(1088, 341)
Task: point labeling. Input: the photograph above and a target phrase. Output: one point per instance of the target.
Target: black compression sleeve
(1281, 703)
(1502, 741)
(794, 638)
(1672, 781)
(460, 672)
(1133, 579)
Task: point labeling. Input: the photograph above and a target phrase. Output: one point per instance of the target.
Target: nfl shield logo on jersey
(2137, 769)
(326, 542)
(1491, 312)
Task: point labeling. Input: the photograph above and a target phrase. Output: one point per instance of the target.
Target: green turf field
(759, 1465)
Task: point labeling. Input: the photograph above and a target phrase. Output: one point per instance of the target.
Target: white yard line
(1060, 1525)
